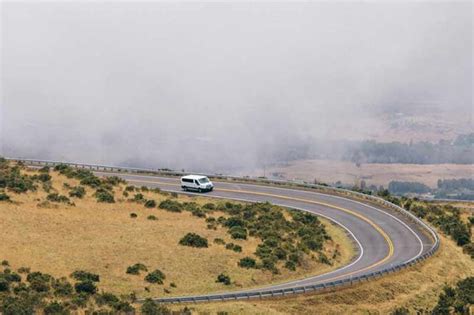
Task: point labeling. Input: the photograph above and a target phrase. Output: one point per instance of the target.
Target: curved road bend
(384, 238)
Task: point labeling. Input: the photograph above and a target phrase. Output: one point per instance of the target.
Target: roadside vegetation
(153, 243)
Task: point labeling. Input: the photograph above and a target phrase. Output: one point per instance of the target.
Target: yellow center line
(375, 226)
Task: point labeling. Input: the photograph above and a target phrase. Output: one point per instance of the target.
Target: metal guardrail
(331, 285)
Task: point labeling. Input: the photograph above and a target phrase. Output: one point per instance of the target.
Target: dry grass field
(330, 171)
(102, 238)
(416, 289)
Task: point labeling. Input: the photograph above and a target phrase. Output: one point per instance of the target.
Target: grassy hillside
(46, 226)
(416, 289)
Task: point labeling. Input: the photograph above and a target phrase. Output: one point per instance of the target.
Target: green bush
(114, 180)
(81, 275)
(136, 268)
(209, 206)
(106, 298)
(133, 215)
(236, 248)
(223, 278)
(152, 217)
(86, 287)
(150, 204)
(55, 197)
(247, 262)
(92, 181)
(104, 196)
(62, 287)
(39, 282)
(150, 307)
(469, 249)
(198, 213)
(238, 232)
(4, 197)
(138, 198)
(219, 241)
(55, 308)
(193, 240)
(130, 188)
(170, 205)
(290, 265)
(155, 276)
(43, 177)
(23, 270)
(5, 263)
(78, 192)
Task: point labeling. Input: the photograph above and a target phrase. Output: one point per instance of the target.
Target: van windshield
(203, 180)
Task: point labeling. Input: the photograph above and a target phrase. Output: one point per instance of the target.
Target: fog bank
(220, 86)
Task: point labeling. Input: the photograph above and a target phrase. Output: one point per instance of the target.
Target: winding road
(383, 238)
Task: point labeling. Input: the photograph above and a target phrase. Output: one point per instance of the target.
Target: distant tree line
(459, 151)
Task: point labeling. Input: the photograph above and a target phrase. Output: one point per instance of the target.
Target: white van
(196, 182)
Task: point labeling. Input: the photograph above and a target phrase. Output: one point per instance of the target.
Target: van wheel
(185, 188)
(199, 190)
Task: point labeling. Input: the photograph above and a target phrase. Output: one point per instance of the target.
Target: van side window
(187, 180)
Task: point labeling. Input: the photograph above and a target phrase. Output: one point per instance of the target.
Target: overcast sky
(212, 86)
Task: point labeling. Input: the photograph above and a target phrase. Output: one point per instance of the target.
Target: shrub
(193, 240)
(469, 249)
(174, 195)
(170, 205)
(55, 197)
(104, 196)
(144, 188)
(223, 278)
(236, 248)
(130, 188)
(136, 268)
(4, 197)
(39, 282)
(92, 181)
(43, 177)
(23, 270)
(150, 203)
(77, 192)
(155, 276)
(219, 241)
(4, 285)
(81, 275)
(5, 263)
(55, 308)
(150, 307)
(107, 299)
(133, 215)
(290, 265)
(11, 277)
(247, 262)
(138, 198)
(114, 180)
(209, 206)
(62, 287)
(238, 232)
(86, 287)
(152, 217)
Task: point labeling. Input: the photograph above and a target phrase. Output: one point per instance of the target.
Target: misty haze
(232, 87)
